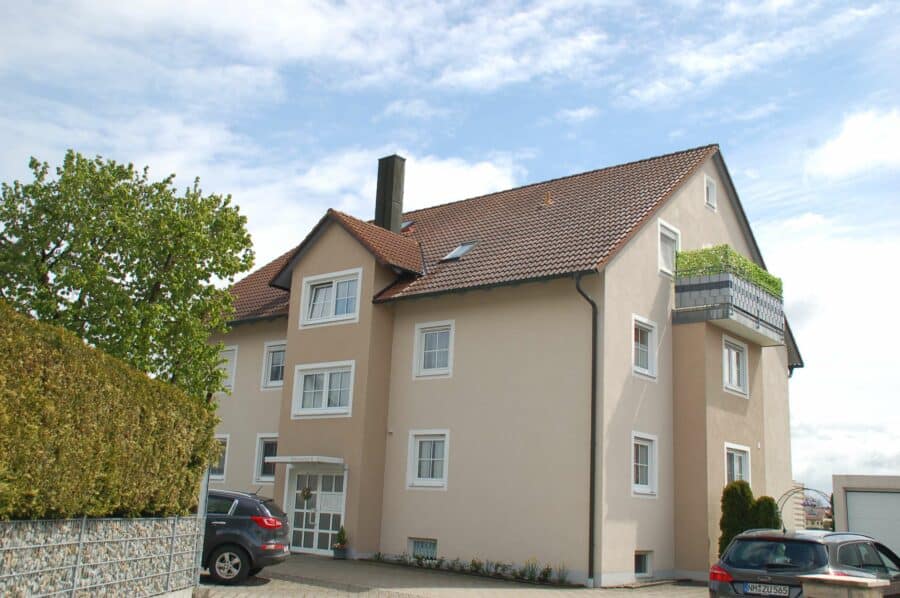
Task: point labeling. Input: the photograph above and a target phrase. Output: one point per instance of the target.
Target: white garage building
(869, 504)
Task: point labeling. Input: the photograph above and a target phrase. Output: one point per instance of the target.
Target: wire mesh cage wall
(99, 557)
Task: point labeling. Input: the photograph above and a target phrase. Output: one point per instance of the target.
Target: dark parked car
(244, 533)
(771, 562)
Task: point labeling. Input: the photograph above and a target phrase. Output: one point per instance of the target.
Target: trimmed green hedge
(722, 258)
(740, 512)
(82, 433)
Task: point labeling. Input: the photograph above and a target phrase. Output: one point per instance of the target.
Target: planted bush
(740, 512)
(721, 259)
(82, 433)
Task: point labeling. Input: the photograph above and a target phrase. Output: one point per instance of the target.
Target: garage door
(875, 514)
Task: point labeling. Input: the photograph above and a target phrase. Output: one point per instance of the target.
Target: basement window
(460, 251)
(423, 548)
(642, 564)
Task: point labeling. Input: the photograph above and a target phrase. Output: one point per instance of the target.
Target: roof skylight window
(405, 225)
(460, 251)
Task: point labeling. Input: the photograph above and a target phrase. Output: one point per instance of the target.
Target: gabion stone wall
(99, 557)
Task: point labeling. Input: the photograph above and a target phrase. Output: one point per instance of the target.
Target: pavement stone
(304, 575)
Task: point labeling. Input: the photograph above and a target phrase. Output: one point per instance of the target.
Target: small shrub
(545, 574)
(722, 258)
(765, 513)
(503, 569)
(420, 560)
(440, 562)
(737, 512)
(531, 569)
(519, 573)
(476, 566)
(562, 574)
(378, 556)
(489, 567)
(456, 565)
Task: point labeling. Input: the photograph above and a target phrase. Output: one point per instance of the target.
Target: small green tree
(765, 513)
(737, 512)
(126, 263)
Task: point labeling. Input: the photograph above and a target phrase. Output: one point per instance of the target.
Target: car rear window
(273, 509)
(761, 553)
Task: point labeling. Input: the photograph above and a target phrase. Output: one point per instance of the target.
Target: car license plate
(766, 589)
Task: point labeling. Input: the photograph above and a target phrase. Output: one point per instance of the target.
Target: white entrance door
(318, 516)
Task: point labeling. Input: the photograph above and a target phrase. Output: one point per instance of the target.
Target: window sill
(643, 493)
(433, 374)
(267, 481)
(272, 387)
(349, 319)
(736, 391)
(427, 485)
(667, 274)
(320, 413)
(643, 374)
(709, 207)
(216, 478)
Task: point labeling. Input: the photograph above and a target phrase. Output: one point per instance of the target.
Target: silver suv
(771, 562)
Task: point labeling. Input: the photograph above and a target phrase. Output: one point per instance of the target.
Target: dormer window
(330, 298)
(460, 251)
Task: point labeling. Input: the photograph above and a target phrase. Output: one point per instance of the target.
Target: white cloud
(577, 115)
(868, 140)
(413, 109)
(698, 63)
(836, 291)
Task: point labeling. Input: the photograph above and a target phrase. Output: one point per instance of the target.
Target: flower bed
(529, 572)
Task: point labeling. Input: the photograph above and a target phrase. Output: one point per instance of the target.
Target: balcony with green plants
(719, 285)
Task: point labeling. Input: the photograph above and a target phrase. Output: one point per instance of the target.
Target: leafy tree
(737, 512)
(124, 262)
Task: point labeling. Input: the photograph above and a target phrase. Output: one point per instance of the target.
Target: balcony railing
(721, 286)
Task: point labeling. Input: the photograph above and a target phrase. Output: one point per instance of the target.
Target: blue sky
(288, 107)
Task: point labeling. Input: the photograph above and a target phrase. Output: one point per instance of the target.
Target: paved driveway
(303, 575)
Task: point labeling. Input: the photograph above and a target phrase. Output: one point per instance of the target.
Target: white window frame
(730, 446)
(649, 571)
(411, 542)
(420, 372)
(266, 383)
(664, 228)
(257, 460)
(333, 278)
(641, 490)
(743, 391)
(233, 374)
(707, 182)
(652, 349)
(221, 478)
(412, 461)
(298, 412)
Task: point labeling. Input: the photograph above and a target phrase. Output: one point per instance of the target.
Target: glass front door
(318, 511)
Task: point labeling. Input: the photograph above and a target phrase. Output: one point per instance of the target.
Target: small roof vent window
(460, 251)
(406, 224)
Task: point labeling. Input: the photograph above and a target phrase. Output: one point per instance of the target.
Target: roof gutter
(592, 474)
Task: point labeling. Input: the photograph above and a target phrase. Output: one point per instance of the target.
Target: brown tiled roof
(388, 247)
(254, 298)
(558, 227)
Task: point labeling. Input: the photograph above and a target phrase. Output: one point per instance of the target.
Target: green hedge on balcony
(722, 258)
(83, 433)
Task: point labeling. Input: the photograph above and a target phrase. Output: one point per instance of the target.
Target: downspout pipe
(592, 474)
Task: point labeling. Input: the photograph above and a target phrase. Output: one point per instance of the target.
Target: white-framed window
(644, 346)
(323, 389)
(433, 350)
(669, 245)
(709, 187)
(273, 364)
(217, 469)
(643, 563)
(644, 471)
(734, 365)
(737, 463)
(331, 298)
(228, 365)
(428, 458)
(266, 446)
(425, 548)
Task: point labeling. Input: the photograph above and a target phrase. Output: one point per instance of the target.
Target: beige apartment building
(521, 375)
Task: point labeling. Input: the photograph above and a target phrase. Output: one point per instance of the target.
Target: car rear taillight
(717, 573)
(266, 522)
(273, 546)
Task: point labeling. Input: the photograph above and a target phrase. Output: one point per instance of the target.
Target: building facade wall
(634, 285)
(516, 407)
(249, 409)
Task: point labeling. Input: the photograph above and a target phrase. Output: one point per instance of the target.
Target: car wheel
(254, 571)
(229, 564)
